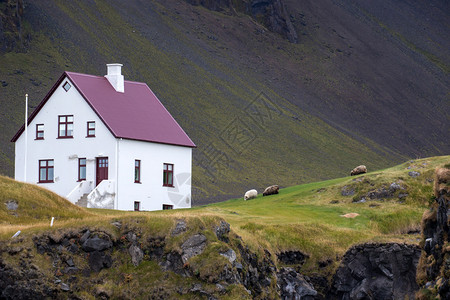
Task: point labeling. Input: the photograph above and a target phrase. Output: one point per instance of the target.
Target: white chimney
(115, 77)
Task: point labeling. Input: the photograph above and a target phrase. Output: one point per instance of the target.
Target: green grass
(306, 217)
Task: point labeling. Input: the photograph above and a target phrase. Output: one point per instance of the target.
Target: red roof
(136, 114)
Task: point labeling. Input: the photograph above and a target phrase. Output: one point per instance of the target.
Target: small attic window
(67, 86)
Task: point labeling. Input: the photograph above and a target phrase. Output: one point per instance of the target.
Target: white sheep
(250, 194)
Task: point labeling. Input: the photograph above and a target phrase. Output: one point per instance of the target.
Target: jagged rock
(193, 246)
(180, 227)
(294, 285)
(230, 255)
(197, 289)
(377, 271)
(292, 257)
(11, 204)
(117, 224)
(85, 236)
(99, 260)
(136, 254)
(222, 231)
(414, 174)
(64, 287)
(131, 237)
(174, 263)
(69, 262)
(96, 244)
(347, 191)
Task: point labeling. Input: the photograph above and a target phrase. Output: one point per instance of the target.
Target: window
(137, 206)
(167, 206)
(39, 131)
(168, 175)
(137, 171)
(90, 129)
(45, 170)
(67, 86)
(65, 126)
(81, 169)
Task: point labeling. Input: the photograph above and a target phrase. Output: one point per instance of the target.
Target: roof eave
(39, 107)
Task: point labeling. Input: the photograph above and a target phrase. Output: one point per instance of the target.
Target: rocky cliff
(434, 269)
(270, 13)
(193, 260)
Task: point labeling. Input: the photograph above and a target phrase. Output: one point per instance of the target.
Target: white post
(26, 138)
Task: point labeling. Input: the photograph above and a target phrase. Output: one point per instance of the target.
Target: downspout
(116, 203)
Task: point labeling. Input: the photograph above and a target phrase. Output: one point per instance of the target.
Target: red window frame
(46, 166)
(90, 130)
(137, 205)
(81, 164)
(39, 132)
(137, 171)
(65, 122)
(168, 175)
(167, 206)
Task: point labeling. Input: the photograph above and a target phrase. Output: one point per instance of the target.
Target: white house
(106, 142)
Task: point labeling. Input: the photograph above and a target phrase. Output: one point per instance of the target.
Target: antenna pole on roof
(26, 138)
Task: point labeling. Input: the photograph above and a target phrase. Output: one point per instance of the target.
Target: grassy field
(307, 217)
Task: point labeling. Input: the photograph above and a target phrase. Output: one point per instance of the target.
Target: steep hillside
(361, 83)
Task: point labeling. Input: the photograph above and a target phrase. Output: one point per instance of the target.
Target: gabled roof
(136, 114)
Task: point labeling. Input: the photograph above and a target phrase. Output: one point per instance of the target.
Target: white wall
(150, 192)
(65, 152)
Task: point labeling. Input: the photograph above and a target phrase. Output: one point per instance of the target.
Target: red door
(102, 169)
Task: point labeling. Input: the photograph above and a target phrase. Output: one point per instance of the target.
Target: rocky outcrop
(434, 268)
(377, 271)
(206, 263)
(294, 286)
(12, 34)
(273, 14)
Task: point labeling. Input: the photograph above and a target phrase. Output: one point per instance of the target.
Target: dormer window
(90, 129)
(65, 126)
(67, 86)
(39, 131)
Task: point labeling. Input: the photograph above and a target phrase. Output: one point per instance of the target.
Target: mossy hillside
(307, 218)
(206, 95)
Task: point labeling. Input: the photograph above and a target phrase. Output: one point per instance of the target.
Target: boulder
(99, 260)
(180, 227)
(377, 271)
(358, 170)
(222, 231)
(96, 244)
(414, 174)
(193, 246)
(294, 286)
(136, 254)
(271, 190)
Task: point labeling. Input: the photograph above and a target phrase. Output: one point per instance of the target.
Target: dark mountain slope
(357, 87)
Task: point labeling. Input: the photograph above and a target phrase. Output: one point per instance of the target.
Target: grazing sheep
(271, 190)
(250, 194)
(358, 170)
